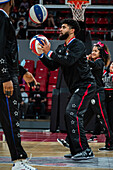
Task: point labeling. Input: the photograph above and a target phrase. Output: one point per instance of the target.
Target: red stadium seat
(90, 21)
(62, 1)
(51, 87)
(40, 64)
(102, 21)
(93, 2)
(102, 32)
(103, 2)
(41, 71)
(65, 12)
(102, 12)
(52, 80)
(91, 30)
(49, 96)
(29, 65)
(43, 82)
(90, 12)
(49, 101)
(54, 73)
(53, 77)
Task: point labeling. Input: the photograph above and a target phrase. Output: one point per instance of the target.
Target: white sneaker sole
(82, 158)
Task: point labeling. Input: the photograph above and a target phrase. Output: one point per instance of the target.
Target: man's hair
(72, 24)
(4, 1)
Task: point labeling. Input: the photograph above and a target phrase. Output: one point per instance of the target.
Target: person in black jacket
(9, 87)
(99, 58)
(71, 57)
(108, 87)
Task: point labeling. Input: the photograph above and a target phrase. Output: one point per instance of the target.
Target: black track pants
(98, 107)
(75, 110)
(9, 118)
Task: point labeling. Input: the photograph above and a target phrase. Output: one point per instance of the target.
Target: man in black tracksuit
(9, 87)
(71, 57)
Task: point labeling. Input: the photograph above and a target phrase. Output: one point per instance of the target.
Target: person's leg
(24, 110)
(10, 122)
(75, 110)
(110, 113)
(100, 108)
(109, 106)
(9, 117)
(42, 108)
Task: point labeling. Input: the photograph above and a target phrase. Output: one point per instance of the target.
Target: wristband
(41, 56)
(49, 53)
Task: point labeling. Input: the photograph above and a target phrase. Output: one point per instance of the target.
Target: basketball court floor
(48, 154)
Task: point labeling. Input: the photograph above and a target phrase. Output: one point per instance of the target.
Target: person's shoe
(63, 142)
(68, 155)
(106, 149)
(84, 155)
(55, 27)
(22, 165)
(93, 139)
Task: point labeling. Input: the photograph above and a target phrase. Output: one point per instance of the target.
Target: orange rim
(75, 2)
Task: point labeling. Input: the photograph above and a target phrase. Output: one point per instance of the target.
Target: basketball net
(78, 9)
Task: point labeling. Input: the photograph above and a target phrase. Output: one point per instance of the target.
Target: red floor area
(48, 136)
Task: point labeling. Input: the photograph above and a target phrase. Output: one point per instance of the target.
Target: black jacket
(8, 49)
(97, 68)
(73, 62)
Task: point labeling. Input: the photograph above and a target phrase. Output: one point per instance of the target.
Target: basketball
(34, 43)
(38, 13)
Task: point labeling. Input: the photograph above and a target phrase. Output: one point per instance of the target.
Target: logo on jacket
(67, 51)
(93, 101)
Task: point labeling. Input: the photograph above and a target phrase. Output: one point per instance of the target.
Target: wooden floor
(50, 156)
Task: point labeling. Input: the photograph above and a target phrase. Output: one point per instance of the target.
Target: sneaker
(55, 27)
(22, 165)
(68, 155)
(84, 155)
(106, 149)
(63, 142)
(93, 139)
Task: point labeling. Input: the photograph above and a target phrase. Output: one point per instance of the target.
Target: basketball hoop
(78, 8)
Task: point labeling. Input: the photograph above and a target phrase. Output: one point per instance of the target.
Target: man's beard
(64, 36)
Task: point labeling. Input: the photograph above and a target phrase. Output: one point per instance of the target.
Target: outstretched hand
(29, 78)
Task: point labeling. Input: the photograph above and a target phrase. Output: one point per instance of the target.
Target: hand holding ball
(34, 44)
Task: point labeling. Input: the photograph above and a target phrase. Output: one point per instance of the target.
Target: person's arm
(43, 100)
(27, 76)
(4, 72)
(96, 65)
(49, 63)
(65, 57)
(22, 70)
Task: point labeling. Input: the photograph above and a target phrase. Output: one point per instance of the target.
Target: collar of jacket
(69, 41)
